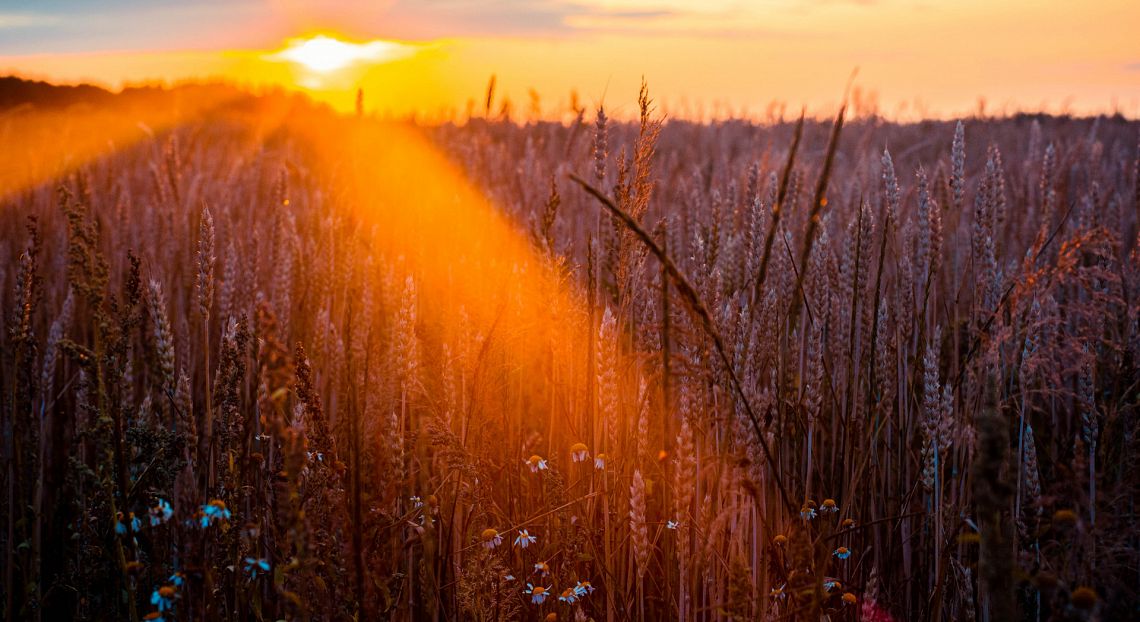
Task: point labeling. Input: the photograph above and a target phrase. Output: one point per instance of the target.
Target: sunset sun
(324, 54)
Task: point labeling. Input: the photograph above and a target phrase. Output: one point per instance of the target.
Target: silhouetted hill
(15, 91)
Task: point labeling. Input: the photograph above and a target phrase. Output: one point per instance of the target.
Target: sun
(325, 54)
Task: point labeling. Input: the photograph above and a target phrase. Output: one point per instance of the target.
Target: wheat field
(264, 361)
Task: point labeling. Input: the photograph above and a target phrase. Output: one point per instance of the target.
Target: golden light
(323, 54)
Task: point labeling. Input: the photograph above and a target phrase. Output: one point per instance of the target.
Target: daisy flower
(807, 512)
(163, 598)
(780, 540)
(176, 579)
(1065, 517)
(583, 588)
(121, 525)
(524, 539)
(849, 598)
(671, 524)
(828, 506)
(537, 593)
(161, 512)
(831, 584)
(777, 592)
(842, 552)
(253, 566)
(536, 463)
(417, 503)
(568, 596)
(541, 568)
(213, 512)
(579, 452)
(1084, 597)
(491, 538)
(600, 461)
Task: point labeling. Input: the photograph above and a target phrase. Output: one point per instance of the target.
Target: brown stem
(690, 296)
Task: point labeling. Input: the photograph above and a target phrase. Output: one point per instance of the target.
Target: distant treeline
(16, 91)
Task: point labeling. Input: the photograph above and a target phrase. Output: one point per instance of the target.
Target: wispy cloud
(446, 18)
(10, 21)
(118, 25)
(63, 26)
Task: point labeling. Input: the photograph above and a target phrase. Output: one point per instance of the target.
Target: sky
(704, 58)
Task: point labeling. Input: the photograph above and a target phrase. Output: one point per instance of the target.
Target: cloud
(10, 21)
(66, 26)
(640, 14)
(1132, 66)
(448, 18)
(123, 25)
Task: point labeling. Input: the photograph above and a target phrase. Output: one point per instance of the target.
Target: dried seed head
(204, 283)
(958, 166)
(600, 145)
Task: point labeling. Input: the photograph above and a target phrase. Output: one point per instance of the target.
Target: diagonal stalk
(693, 300)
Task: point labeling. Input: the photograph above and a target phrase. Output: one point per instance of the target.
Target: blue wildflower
(161, 512)
(491, 538)
(536, 463)
(537, 593)
(524, 539)
(583, 588)
(121, 526)
(253, 566)
(163, 598)
(213, 512)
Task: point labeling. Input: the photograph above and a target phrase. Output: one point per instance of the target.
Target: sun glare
(324, 54)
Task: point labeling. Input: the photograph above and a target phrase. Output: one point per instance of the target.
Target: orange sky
(700, 58)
